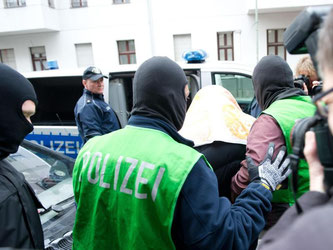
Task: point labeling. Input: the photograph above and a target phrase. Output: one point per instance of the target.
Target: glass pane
(38, 65)
(222, 55)
(281, 51)
(8, 57)
(181, 44)
(132, 59)
(271, 50)
(37, 50)
(280, 36)
(240, 87)
(84, 54)
(122, 46)
(123, 59)
(221, 39)
(229, 54)
(131, 45)
(271, 36)
(229, 41)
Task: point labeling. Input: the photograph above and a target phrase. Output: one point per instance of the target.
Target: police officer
(144, 186)
(93, 116)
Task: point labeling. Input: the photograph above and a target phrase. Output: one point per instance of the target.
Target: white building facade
(120, 34)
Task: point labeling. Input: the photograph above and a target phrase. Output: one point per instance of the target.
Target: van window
(121, 92)
(240, 86)
(57, 97)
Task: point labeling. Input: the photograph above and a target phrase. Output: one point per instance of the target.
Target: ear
(84, 82)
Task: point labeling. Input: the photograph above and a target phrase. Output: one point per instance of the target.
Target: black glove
(269, 173)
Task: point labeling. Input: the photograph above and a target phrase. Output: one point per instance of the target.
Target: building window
(7, 57)
(120, 1)
(79, 3)
(225, 43)
(181, 44)
(51, 4)
(126, 50)
(38, 56)
(14, 3)
(84, 54)
(275, 43)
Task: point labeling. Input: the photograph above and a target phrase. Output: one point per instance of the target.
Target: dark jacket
(310, 230)
(20, 224)
(202, 220)
(93, 116)
(225, 159)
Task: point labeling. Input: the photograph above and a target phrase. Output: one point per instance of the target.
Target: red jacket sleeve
(264, 130)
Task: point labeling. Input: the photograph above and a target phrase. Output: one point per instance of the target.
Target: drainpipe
(257, 31)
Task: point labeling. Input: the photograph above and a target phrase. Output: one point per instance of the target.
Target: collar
(158, 124)
(99, 96)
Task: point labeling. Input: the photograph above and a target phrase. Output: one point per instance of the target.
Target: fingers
(280, 156)
(270, 152)
(250, 161)
(310, 148)
(285, 168)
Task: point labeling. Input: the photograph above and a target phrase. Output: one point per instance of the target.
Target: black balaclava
(158, 91)
(15, 89)
(273, 80)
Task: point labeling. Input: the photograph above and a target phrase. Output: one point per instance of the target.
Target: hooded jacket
(273, 80)
(159, 94)
(19, 220)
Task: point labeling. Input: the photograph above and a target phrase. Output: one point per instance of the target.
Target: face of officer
(95, 87)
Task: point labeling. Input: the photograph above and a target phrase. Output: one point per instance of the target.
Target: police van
(59, 90)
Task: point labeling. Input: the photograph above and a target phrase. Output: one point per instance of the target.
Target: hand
(316, 170)
(305, 89)
(269, 173)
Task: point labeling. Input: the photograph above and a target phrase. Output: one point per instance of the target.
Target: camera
(312, 90)
(324, 139)
(300, 80)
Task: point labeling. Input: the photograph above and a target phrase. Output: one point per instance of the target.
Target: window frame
(225, 47)
(122, 2)
(127, 53)
(19, 3)
(51, 4)
(276, 44)
(2, 60)
(40, 59)
(82, 3)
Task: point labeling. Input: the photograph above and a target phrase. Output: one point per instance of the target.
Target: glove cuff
(266, 186)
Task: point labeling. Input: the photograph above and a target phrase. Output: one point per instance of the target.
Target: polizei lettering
(98, 170)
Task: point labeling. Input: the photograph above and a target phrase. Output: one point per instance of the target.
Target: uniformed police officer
(93, 116)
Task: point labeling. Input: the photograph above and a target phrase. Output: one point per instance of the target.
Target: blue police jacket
(93, 116)
(202, 219)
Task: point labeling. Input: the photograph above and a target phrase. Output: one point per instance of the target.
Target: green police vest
(286, 112)
(125, 196)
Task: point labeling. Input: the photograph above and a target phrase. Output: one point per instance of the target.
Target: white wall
(146, 21)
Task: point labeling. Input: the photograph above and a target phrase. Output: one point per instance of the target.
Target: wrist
(265, 186)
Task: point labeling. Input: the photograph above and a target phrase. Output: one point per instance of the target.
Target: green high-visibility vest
(286, 112)
(125, 196)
